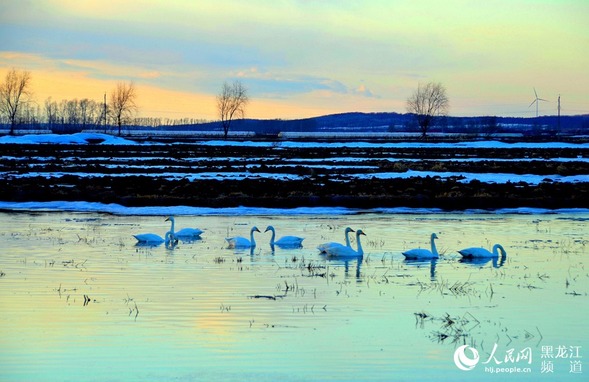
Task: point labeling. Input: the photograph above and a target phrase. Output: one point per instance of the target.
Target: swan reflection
(480, 261)
(424, 263)
(347, 264)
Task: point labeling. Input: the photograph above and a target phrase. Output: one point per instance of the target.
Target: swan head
(359, 233)
(170, 219)
(348, 230)
(269, 228)
(255, 229)
(434, 236)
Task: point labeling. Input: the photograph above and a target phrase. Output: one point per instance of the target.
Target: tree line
(17, 108)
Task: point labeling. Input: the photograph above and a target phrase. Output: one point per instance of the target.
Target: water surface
(80, 301)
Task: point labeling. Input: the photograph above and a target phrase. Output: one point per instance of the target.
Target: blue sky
(304, 58)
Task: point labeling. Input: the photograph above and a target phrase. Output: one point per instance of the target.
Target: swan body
(345, 251)
(189, 232)
(148, 238)
(284, 241)
(325, 246)
(184, 232)
(242, 242)
(153, 239)
(475, 252)
(422, 253)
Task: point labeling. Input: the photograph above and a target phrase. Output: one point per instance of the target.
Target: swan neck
(348, 239)
(500, 248)
(172, 227)
(434, 249)
(273, 236)
(360, 250)
(252, 238)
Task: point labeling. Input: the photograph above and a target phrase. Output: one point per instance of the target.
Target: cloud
(364, 91)
(268, 84)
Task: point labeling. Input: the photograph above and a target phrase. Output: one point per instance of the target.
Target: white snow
(117, 209)
(78, 138)
(82, 138)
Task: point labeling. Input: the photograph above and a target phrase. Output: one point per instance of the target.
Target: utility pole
(105, 112)
(559, 113)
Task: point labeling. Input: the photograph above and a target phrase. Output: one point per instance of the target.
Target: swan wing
(325, 246)
(238, 242)
(418, 253)
(148, 238)
(475, 252)
(341, 251)
(188, 232)
(289, 241)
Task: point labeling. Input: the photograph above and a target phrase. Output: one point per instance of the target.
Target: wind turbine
(536, 101)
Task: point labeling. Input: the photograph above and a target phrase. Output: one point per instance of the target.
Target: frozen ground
(217, 173)
(106, 139)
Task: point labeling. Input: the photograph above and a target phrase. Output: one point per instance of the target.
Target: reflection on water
(480, 261)
(424, 263)
(80, 300)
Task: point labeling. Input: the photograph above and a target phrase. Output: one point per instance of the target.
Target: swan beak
(266, 230)
(362, 233)
(168, 219)
(257, 230)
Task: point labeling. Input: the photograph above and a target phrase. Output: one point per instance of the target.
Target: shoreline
(81, 207)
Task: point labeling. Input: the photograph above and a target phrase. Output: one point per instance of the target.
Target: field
(450, 176)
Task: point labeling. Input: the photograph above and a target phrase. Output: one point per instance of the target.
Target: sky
(304, 58)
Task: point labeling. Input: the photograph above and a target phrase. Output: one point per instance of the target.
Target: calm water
(80, 301)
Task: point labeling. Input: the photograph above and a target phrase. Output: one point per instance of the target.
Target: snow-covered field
(107, 139)
(353, 167)
(101, 156)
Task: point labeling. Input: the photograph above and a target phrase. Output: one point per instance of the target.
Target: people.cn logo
(464, 362)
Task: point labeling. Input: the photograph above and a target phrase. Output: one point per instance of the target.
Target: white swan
(242, 242)
(148, 238)
(184, 233)
(344, 251)
(153, 239)
(421, 253)
(476, 252)
(323, 247)
(284, 241)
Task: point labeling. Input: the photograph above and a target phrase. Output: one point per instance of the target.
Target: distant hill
(353, 122)
(395, 122)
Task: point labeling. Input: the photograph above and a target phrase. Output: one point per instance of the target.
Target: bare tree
(428, 102)
(88, 110)
(123, 104)
(231, 103)
(14, 92)
(52, 112)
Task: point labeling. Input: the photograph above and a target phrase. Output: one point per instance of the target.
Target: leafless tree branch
(428, 102)
(123, 105)
(231, 103)
(14, 93)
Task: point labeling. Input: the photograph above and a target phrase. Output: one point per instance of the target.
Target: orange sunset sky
(303, 58)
